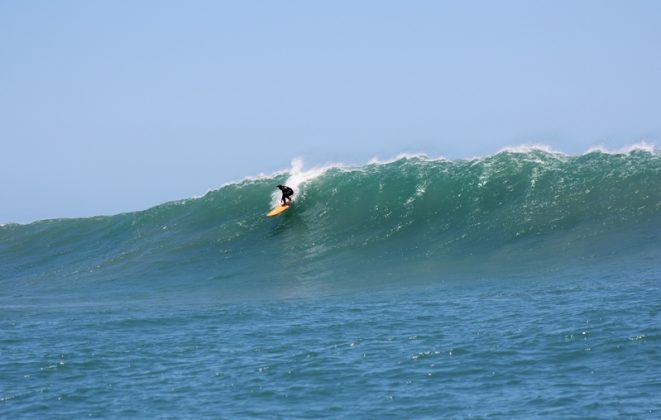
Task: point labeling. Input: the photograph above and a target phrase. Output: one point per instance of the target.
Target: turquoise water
(517, 285)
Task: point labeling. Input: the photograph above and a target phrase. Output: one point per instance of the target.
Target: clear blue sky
(109, 106)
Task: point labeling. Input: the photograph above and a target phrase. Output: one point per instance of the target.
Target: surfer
(286, 194)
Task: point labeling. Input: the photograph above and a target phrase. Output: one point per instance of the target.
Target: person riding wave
(286, 194)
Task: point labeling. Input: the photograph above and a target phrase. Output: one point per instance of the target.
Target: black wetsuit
(286, 194)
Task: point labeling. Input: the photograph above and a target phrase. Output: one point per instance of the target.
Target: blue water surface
(576, 344)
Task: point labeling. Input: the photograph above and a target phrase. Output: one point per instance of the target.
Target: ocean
(522, 284)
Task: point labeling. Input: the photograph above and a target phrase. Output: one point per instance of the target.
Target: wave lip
(641, 146)
(529, 148)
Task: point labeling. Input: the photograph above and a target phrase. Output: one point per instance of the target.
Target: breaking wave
(409, 219)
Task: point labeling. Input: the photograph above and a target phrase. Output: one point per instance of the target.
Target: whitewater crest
(296, 176)
(637, 147)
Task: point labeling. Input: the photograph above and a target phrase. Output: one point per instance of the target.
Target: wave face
(412, 219)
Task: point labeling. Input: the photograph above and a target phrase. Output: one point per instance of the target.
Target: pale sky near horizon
(112, 106)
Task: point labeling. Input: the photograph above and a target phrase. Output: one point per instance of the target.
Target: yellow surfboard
(276, 211)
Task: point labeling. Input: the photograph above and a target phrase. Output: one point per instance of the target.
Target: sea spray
(296, 177)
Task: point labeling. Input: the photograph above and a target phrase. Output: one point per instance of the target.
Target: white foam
(641, 146)
(527, 148)
(377, 161)
(423, 156)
